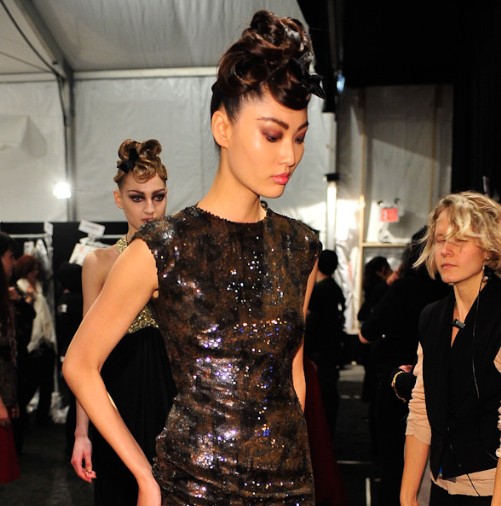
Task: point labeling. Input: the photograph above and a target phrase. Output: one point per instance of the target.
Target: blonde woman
(454, 405)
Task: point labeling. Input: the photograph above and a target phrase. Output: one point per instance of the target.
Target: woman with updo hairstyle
(141, 160)
(228, 281)
(136, 373)
(453, 412)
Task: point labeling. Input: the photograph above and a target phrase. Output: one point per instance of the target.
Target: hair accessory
(312, 82)
(129, 164)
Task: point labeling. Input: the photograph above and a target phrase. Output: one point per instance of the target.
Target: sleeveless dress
(230, 308)
(138, 378)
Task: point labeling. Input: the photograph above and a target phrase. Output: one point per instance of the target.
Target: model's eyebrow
(139, 192)
(281, 123)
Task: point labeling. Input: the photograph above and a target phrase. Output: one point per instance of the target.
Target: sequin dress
(230, 308)
(137, 376)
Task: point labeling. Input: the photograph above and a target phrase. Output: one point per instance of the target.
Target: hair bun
(272, 55)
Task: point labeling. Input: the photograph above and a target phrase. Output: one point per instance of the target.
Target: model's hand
(81, 458)
(149, 493)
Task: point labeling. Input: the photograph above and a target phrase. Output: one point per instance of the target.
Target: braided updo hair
(141, 160)
(273, 54)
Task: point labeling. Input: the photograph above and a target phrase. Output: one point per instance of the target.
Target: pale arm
(416, 457)
(130, 284)
(496, 498)
(417, 441)
(94, 272)
(297, 364)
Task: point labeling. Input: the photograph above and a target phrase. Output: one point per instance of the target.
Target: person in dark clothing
(23, 316)
(376, 272)
(9, 407)
(392, 327)
(42, 347)
(69, 313)
(453, 411)
(377, 277)
(325, 332)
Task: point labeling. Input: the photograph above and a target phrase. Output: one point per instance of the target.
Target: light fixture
(340, 81)
(62, 190)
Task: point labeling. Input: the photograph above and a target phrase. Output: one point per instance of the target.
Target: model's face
(457, 260)
(265, 145)
(141, 202)
(8, 263)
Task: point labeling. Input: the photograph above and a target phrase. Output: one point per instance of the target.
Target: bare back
(95, 270)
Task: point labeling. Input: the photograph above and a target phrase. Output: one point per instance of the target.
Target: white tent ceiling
(77, 77)
(103, 35)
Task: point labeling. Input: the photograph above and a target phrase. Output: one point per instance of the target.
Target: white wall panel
(32, 157)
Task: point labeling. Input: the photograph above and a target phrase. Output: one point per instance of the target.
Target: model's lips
(282, 178)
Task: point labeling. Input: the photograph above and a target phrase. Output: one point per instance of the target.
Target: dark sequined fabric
(230, 308)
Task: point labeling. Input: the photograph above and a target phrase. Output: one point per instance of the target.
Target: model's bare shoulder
(97, 263)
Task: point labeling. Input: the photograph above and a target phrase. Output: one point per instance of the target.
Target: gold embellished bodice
(144, 318)
(230, 308)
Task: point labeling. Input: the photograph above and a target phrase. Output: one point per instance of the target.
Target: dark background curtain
(476, 150)
(392, 43)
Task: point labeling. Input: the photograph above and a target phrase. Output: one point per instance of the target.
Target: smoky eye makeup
(159, 196)
(136, 197)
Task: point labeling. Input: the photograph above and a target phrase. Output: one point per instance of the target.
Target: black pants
(440, 497)
(39, 376)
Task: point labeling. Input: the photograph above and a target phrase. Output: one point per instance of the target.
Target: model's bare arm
(130, 284)
(95, 270)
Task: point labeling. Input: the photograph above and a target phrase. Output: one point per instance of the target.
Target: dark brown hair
(273, 54)
(26, 264)
(141, 160)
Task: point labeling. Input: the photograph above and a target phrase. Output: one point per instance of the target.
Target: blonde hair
(471, 215)
(141, 159)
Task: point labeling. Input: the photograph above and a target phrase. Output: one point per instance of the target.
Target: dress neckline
(240, 223)
(122, 244)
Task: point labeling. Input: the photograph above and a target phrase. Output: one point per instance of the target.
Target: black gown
(138, 378)
(230, 308)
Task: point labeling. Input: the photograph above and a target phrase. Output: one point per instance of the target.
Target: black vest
(462, 385)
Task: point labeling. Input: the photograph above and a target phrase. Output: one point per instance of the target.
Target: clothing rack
(87, 244)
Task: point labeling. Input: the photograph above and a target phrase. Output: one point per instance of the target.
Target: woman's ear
(221, 128)
(118, 199)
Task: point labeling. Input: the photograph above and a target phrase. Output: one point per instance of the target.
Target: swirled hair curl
(141, 160)
(273, 54)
